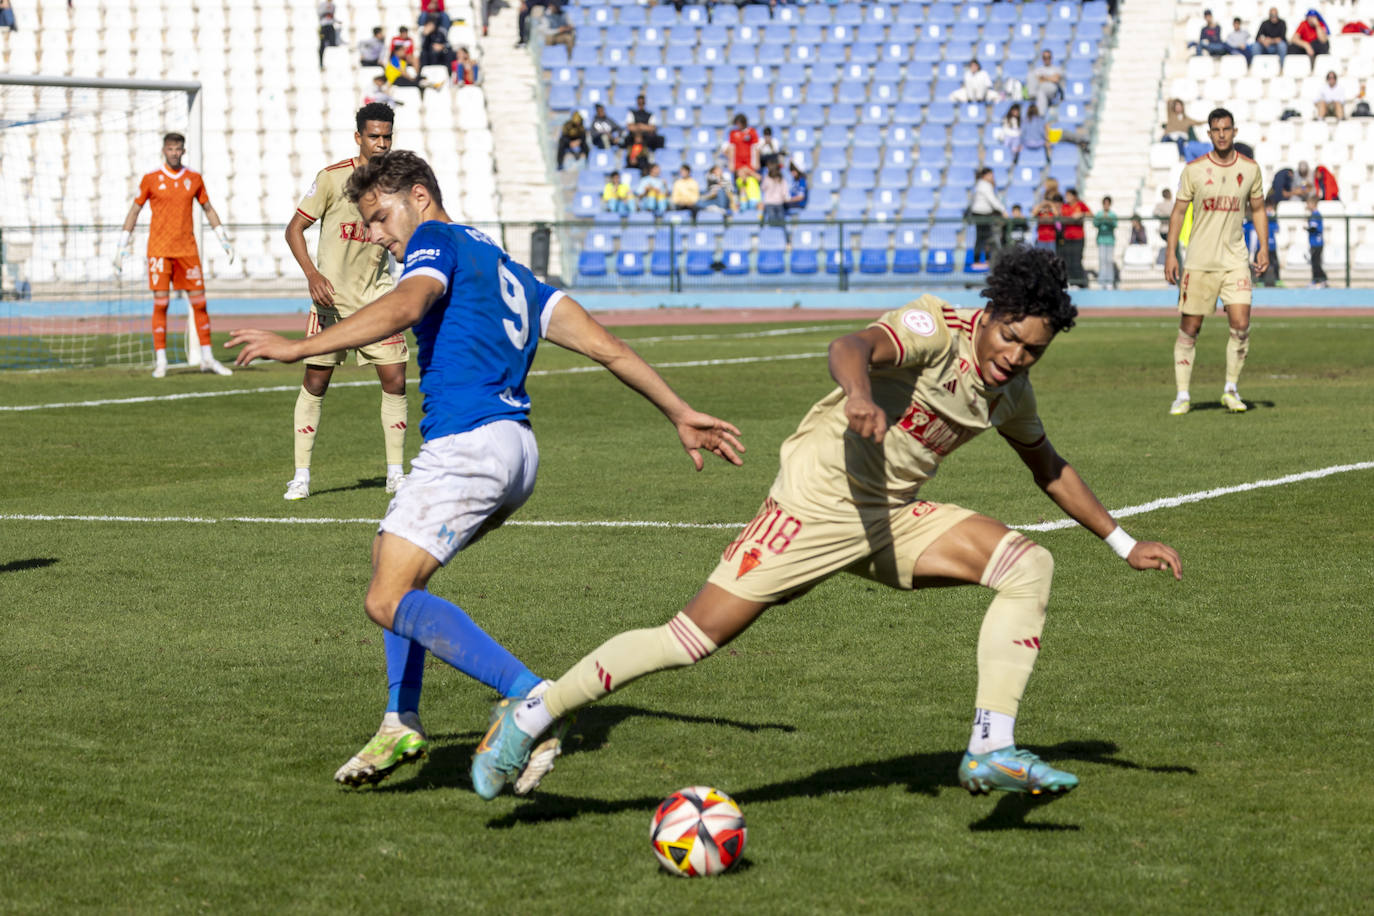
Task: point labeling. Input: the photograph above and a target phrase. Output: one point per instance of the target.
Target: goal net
(72, 151)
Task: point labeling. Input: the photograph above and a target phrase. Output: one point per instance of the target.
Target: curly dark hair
(1027, 281)
(395, 172)
(374, 111)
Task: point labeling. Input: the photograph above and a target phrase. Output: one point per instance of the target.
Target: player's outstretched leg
(545, 752)
(1008, 645)
(506, 752)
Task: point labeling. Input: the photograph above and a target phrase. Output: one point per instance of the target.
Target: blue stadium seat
(893, 52)
(1020, 52)
(839, 255)
(940, 260)
(701, 250)
(860, 179)
(778, 114)
(634, 252)
(964, 140)
(691, 75)
(868, 135)
(801, 136)
(621, 36)
(962, 52)
(1095, 11)
(752, 93)
(906, 250)
(635, 16)
(849, 14)
(726, 94)
(1078, 69)
(973, 268)
(927, 52)
(842, 114)
(772, 55)
(832, 52)
(650, 35)
(864, 157)
(598, 76)
(1004, 13)
(586, 204)
(1035, 11)
(663, 17)
(647, 55)
(710, 55)
(741, 55)
(679, 55)
(553, 57)
(873, 32)
(915, 90)
(735, 247)
(821, 90)
(940, 113)
(852, 206)
(816, 14)
(914, 13)
(864, 52)
(805, 260)
(772, 248)
(826, 179)
(802, 54)
(756, 15)
(873, 244)
(894, 177)
(900, 134)
(714, 114)
(1058, 30)
(725, 15)
(1032, 158)
(657, 96)
(591, 263)
(852, 92)
(885, 92)
(562, 98)
(1066, 175)
(875, 114)
(942, 13)
(965, 31)
(811, 115)
(932, 134)
(925, 176)
(907, 113)
(832, 157)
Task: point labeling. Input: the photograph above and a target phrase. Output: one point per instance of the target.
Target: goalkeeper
(173, 260)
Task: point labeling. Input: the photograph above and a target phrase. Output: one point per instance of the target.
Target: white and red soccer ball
(698, 831)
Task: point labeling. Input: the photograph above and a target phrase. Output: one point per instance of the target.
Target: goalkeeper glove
(223, 237)
(126, 244)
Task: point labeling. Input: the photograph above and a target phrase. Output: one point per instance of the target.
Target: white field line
(190, 395)
(1167, 502)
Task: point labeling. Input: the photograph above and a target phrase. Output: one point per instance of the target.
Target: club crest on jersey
(188, 184)
(919, 322)
(1239, 180)
(748, 561)
(964, 365)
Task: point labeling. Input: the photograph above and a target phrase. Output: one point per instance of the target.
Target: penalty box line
(1168, 502)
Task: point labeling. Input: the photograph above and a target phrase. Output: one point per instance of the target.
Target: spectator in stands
(434, 47)
(1315, 242)
(7, 16)
(465, 71)
(773, 191)
(747, 189)
(572, 139)
(653, 191)
(1046, 214)
(640, 126)
(403, 46)
(987, 212)
(769, 150)
(740, 146)
(637, 157)
(1138, 236)
(1272, 36)
(1178, 127)
(1312, 37)
(718, 191)
(1331, 98)
(1209, 39)
(1302, 186)
(977, 85)
(1105, 223)
(797, 192)
(381, 93)
(557, 29)
(1163, 209)
(329, 34)
(1035, 132)
(616, 196)
(1008, 133)
(370, 49)
(686, 194)
(523, 20)
(1018, 229)
(605, 132)
(1073, 216)
(1046, 83)
(433, 11)
(1238, 41)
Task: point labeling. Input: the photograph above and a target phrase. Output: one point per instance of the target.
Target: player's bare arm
(390, 314)
(1261, 219)
(321, 290)
(1171, 270)
(573, 329)
(1061, 483)
(850, 357)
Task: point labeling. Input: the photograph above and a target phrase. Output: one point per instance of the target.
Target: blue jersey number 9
(513, 294)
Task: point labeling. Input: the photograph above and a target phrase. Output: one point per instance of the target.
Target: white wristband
(1121, 542)
(126, 240)
(223, 235)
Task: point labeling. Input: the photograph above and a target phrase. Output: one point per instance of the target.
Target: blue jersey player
(478, 317)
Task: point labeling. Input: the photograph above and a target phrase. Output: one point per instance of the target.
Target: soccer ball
(697, 831)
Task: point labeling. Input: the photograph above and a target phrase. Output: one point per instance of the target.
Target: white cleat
(393, 482)
(400, 739)
(543, 754)
(296, 489)
(215, 366)
(160, 370)
(1180, 406)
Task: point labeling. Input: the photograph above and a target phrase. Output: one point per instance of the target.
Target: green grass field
(177, 693)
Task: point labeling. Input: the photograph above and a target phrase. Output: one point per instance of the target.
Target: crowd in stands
(403, 58)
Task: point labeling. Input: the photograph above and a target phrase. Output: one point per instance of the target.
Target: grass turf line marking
(1168, 502)
(190, 395)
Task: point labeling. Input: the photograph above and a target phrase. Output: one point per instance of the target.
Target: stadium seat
(805, 260)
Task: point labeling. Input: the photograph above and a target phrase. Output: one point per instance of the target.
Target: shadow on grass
(448, 764)
(1216, 405)
(31, 563)
(364, 483)
(925, 774)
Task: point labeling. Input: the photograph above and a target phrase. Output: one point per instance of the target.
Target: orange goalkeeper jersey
(172, 234)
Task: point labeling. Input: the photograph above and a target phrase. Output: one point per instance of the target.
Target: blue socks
(405, 669)
(441, 627)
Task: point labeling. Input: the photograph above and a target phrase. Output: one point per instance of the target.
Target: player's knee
(1030, 574)
(1186, 340)
(380, 606)
(1240, 335)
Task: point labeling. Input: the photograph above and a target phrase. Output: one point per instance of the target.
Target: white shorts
(462, 486)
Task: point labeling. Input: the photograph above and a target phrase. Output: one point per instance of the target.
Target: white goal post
(72, 150)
